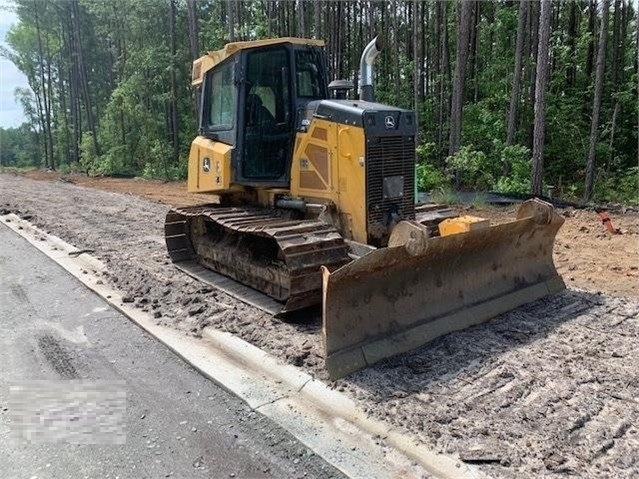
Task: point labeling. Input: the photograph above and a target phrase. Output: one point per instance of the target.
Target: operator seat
(257, 115)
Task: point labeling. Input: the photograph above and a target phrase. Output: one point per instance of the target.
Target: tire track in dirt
(58, 357)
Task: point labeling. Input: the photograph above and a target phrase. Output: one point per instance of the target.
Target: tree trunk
(301, 21)
(541, 79)
(457, 103)
(194, 45)
(416, 69)
(43, 128)
(592, 16)
(423, 70)
(62, 94)
(514, 95)
(596, 104)
(616, 34)
(534, 48)
(48, 141)
(82, 70)
(230, 19)
(613, 124)
(442, 15)
(49, 98)
(317, 13)
(396, 48)
(74, 95)
(617, 66)
(174, 93)
(474, 49)
(572, 44)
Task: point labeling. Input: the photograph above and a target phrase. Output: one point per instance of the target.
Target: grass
(17, 169)
(444, 196)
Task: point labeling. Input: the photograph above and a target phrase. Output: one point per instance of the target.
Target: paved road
(176, 424)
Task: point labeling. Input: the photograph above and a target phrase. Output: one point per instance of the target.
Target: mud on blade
(395, 299)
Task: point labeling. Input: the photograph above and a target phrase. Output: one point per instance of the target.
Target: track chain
(293, 277)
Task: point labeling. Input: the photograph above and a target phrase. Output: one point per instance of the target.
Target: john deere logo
(389, 121)
(206, 164)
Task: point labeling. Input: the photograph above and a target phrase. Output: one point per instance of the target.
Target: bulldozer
(315, 204)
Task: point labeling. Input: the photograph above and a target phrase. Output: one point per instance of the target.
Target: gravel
(550, 388)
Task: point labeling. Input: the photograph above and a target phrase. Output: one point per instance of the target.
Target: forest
(512, 96)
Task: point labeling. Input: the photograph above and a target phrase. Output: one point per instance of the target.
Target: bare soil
(586, 254)
(164, 192)
(548, 389)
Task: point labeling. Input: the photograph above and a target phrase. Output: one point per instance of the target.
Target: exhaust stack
(366, 92)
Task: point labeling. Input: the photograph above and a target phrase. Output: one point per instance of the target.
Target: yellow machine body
(354, 162)
(327, 166)
(209, 166)
(462, 224)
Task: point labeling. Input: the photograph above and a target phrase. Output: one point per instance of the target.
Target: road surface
(176, 422)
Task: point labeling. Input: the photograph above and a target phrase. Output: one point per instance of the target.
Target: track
(276, 256)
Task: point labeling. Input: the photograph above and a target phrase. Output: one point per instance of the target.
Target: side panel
(328, 165)
(209, 166)
(352, 180)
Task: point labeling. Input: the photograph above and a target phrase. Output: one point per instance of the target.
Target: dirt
(164, 192)
(586, 254)
(550, 388)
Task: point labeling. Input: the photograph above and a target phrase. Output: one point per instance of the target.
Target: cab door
(266, 126)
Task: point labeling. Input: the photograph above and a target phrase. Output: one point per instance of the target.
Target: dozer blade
(397, 298)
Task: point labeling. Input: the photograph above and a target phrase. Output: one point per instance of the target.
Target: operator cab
(255, 98)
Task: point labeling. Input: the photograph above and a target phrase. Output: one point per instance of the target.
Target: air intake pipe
(371, 50)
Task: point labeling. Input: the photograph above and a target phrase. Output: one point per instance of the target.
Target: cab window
(221, 99)
(309, 77)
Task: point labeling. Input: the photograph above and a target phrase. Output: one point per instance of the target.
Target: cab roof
(212, 58)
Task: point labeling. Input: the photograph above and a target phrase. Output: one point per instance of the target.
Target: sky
(10, 77)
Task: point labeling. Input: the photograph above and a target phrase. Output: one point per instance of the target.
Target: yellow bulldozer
(316, 205)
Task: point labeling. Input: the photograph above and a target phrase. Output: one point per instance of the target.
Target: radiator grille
(388, 157)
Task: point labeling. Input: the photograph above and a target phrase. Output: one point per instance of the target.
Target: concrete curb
(323, 419)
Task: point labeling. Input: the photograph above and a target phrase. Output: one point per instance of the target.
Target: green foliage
(474, 168)
(128, 132)
(18, 147)
(620, 187)
(158, 163)
(481, 172)
(518, 160)
(88, 156)
(427, 153)
(484, 123)
(66, 169)
(429, 177)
